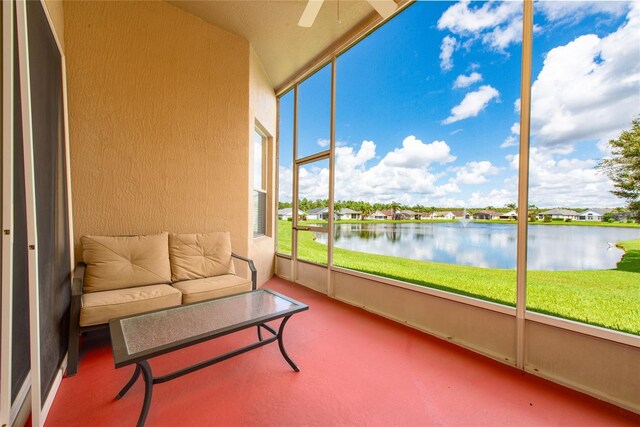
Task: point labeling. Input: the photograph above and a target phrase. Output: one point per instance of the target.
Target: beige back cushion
(125, 262)
(196, 256)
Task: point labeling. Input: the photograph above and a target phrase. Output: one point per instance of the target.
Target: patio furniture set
(161, 293)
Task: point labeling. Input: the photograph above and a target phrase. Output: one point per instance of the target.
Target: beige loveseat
(124, 275)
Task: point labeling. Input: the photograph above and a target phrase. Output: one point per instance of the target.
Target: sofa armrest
(78, 279)
(251, 267)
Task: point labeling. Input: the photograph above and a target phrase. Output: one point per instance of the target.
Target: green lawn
(608, 298)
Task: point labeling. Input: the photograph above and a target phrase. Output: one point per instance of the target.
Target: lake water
(488, 245)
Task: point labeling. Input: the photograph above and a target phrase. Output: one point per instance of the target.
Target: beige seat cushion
(196, 256)
(212, 287)
(99, 307)
(125, 262)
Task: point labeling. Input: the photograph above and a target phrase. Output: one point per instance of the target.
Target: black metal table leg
(148, 388)
(281, 345)
(259, 333)
(133, 379)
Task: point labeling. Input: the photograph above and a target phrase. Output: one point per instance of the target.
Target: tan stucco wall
(159, 113)
(262, 104)
(56, 14)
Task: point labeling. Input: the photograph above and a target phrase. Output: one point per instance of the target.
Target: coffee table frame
(123, 358)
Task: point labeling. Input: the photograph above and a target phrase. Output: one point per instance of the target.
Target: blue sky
(428, 113)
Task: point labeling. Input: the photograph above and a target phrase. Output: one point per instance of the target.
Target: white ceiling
(271, 26)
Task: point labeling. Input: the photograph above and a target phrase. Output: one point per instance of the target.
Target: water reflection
(487, 245)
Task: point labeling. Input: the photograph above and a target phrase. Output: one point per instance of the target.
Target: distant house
(443, 215)
(286, 213)
(318, 213)
(377, 215)
(593, 214)
(621, 216)
(388, 213)
(461, 214)
(487, 215)
(563, 214)
(426, 215)
(346, 213)
(407, 214)
(509, 215)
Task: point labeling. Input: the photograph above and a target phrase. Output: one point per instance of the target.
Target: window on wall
(583, 242)
(259, 184)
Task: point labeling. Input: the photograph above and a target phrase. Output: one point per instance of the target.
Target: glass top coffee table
(137, 338)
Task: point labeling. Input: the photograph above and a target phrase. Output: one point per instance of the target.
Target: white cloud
(472, 104)
(496, 197)
(463, 19)
(466, 81)
(323, 142)
(285, 183)
(500, 22)
(510, 141)
(575, 11)
(447, 48)
(403, 175)
(501, 37)
(555, 180)
(416, 154)
(513, 139)
(313, 182)
(347, 159)
(474, 172)
(589, 88)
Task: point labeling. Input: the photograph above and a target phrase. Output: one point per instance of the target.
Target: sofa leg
(74, 348)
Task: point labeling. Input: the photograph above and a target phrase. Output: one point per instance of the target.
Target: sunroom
(142, 117)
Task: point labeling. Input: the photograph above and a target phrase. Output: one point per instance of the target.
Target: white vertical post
(67, 154)
(294, 208)
(276, 166)
(32, 238)
(523, 180)
(332, 177)
(7, 211)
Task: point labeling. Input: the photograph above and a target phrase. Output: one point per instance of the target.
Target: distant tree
(304, 204)
(395, 206)
(366, 209)
(511, 206)
(623, 167)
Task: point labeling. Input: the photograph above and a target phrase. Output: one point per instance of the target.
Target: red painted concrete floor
(356, 369)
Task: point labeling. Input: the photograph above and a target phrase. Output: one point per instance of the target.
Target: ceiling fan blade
(310, 13)
(384, 7)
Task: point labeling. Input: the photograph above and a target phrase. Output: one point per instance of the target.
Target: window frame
(520, 312)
